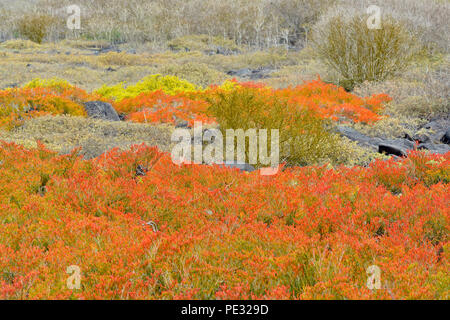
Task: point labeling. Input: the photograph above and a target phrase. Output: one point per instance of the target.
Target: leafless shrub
(357, 53)
(428, 20)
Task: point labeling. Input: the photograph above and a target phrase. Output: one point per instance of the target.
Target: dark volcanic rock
(222, 51)
(421, 138)
(446, 137)
(362, 139)
(106, 50)
(253, 74)
(11, 85)
(240, 72)
(101, 110)
(225, 51)
(397, 147)
(435, 148)
(140, 171)
(437, 130)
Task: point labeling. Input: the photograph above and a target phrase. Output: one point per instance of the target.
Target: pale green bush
(34, 27)
(357, 53)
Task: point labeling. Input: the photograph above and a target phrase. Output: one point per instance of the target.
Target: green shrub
(34, 27)
(304, 137)
(169, 84)
(357, 53)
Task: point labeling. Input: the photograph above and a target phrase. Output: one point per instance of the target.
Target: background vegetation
(309, 232)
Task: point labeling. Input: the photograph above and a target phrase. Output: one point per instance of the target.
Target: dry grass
(422, 91)
(64, 133)
(76, 61)
(197, 73)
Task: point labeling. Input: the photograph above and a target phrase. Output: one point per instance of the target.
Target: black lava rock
(101, 110)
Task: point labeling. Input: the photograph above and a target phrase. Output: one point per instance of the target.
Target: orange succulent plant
(216, 233)
(57, 96)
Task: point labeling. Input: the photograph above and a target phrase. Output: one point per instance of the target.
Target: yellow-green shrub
(54, 83)
(18, 44)
(304, 137)
(34, 27)
(63, 89)
(169, 84)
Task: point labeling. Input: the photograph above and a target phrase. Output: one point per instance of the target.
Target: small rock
(224, 51)
(101, 110)
(241, 166)
(240, 73)
(141, 171)
(446, 137)
(421, 138)
(12, 85)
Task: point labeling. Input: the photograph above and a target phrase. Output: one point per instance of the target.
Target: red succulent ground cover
(203, 232)
(40, 98)
(19, 104)
(331, 101)
(159, 107)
